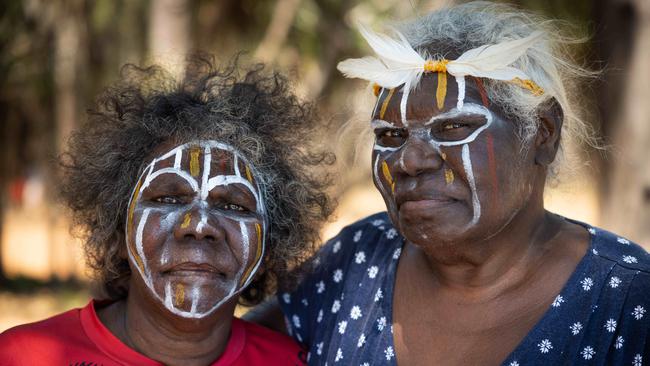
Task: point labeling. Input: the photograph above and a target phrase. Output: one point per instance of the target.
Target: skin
(194, 239)
(479, 276)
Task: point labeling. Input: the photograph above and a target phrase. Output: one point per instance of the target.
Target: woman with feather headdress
(467, 267)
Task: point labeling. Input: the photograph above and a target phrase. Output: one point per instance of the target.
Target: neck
(170, 339)
(492, 265)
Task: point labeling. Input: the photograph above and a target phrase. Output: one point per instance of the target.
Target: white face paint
(383, 178)
(195, 227)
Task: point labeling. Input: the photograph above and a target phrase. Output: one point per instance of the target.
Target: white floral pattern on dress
(586, 283)
(389, 353)
(390, 234)
(319, 318)
(355, 313)
(336, 305)
(618, 344)
(378, 295)
(357, 236)
(638, 360)
(638, 312)
(336, 247)
(513, 363)
(338, 275)
(397, 253)
(614, 282)
(576, 328)
(359, 257)
(630, 259)
(381, 323)
(623, 241)
(361, 341)
(343, 324)
(286, 298)
(588, 353)
(320, 287)
(558, 301)
(319, 348)
(339, 355)
(296, 321)
(372, 271)
(610, 325)
(545, 346)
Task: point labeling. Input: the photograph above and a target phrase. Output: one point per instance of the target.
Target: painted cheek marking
(258, 253)
(168, 296)
(179, 295)
(441, 90)
(467, 164)
(384, 105)
(492, 165)
(186, 220)
(245, 246)
(449, 176)
(194, 162)
(387, 175)
(138, 245)
(443, 156)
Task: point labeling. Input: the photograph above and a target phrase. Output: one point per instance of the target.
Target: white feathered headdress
(397, 63)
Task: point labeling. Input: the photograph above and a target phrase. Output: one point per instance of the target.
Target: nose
(418, 155)
(196, 224)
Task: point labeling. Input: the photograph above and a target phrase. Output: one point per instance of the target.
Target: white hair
(448, 32)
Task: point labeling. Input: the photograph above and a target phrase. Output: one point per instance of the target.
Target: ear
(547, 140)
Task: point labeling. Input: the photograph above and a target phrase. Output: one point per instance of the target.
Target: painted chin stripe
(179, 295)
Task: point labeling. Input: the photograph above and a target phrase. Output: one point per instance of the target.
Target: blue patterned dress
(342, 312)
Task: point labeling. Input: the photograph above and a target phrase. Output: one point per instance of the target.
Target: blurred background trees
(56, 55)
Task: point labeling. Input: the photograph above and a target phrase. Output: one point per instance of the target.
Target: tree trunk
(626, 188)
(169, 33)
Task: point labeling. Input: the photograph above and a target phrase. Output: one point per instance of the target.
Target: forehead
(197, 157)
(435, 94)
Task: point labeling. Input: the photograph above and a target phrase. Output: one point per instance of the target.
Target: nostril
(189, 237)
(210, 238)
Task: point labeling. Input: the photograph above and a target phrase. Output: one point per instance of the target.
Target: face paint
(189, 227)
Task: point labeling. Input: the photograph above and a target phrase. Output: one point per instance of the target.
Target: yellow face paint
(388, 176)
(194, 161)
(449, 176)
(441, 91)
(258, 253)
(443, 156)
(384, 105)
(179, 295)
(248, 174)
(186, 220)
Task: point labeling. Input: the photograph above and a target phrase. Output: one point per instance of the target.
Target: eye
(451, 126)
(233, 207)
(168, 200)
(391, 137)
(457, 129)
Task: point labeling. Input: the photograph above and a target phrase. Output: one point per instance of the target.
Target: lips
(194, 269)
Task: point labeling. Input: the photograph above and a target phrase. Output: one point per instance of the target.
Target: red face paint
(492, 166)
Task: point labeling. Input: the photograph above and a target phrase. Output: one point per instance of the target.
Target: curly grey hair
(257, 114)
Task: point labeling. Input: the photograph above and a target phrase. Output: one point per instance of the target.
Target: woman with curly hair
(192, 195)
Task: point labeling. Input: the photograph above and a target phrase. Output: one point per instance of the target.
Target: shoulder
(268, 345)
(619, 250)
(43, 335)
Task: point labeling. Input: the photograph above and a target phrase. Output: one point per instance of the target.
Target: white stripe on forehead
(207, 165)
(405, 97)
(150, 177)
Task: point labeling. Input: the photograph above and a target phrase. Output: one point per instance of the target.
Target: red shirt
(77, 337)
